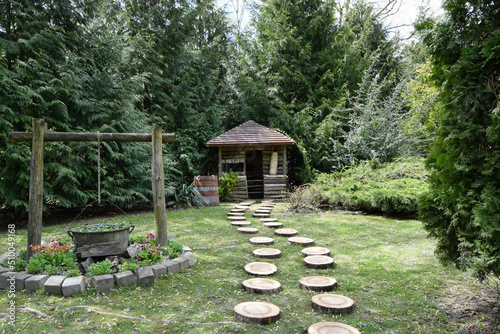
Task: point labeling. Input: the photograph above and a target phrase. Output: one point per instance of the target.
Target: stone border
(67, 286)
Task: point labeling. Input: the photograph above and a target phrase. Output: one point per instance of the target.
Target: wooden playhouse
(258, 154)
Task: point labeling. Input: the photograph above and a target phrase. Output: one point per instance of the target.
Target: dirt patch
(472, 313)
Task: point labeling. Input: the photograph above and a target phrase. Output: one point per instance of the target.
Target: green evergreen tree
(462, 208)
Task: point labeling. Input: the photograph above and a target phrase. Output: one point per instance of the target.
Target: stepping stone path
(318, 262)
(267, 253)
(318, 283)
(315, 251)
(332, 304)
(286, 232)
(261, 268)
(300, 241)
(261, 241)
(314, 257)
(262, 286)
(331, 328)
(248, 230)
(257, 312)
(241, 223)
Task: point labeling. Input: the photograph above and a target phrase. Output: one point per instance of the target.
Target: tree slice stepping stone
(315, 251)
(244, 207)
(261, 286)
(241, 223)
(257, 312)
(286, 232)
(261, 268)
(261, 215)
(248, 230)
(273, 225)
(238, 210)
(236, 214)
(268, 220)
(318, 262)
(318, 283)
(300, 241)
(332, 304)
(330, 327)
(262, 211)
(247, 203)
(237, 218)
(261, 241)
(267, 253)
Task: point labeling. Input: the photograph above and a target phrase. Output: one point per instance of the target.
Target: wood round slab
(260, 268)
(315, 251)
(241, 223)
(268, 204)
(247, 203)
(330, 327)
(248, 230)
(235, 214)
(318, 262)
(268, 220)
(286, 232)
(238, 210)
(261, 241)
(300, 241)
(267, 253)
(332, 304)
(237, 218)
(244, 207)
(261, 210)
(261, 215)
(257, 312)
(318, 283)
(273, 225)
(261, 286)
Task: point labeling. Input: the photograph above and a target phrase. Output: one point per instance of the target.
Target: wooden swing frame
(39, 136)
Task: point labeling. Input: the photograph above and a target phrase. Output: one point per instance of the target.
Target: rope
(98, 168)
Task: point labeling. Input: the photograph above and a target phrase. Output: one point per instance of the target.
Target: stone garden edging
(67, 286)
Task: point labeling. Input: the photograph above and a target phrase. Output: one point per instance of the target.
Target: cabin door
(255, 174)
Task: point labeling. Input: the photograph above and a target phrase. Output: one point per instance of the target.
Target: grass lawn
(385, 265)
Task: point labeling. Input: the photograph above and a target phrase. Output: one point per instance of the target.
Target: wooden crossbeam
(15, 137)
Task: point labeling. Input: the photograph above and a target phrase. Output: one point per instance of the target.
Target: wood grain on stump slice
(248, 230)
(262, 286)
(235, 214)
(318, 262)
(315, 251)
(241, 223)
(268, 220)
(286, 232)
(257, 312)
(267, 253)
(236, 218)
(261, 241)
(318, 283)
(244, 207)
(260, 268)
(300, 241)
(273, 225)
(330, 327)
(332, 304)
(261, 215)
(238, 210)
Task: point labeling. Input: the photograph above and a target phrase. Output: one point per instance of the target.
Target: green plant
(19, 264)
(226, 184)
(51, 270)
(53, 257)
(304, 199)
(188, 196)
(172, 250)
(101, 268)
(22, 254)
(150, 253)
(102, 227)
(129, 265)
(73, 273)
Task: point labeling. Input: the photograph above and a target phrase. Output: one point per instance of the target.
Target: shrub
(304, 199)
(188, 196)
(172, 250)
(391, 188)
(73, 273)
(53, 258)
(129, 265)
(101, 268)
(226, 184)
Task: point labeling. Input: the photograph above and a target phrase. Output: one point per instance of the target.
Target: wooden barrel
(208, 186)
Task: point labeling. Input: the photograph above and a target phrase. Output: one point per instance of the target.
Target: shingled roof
(250, 134)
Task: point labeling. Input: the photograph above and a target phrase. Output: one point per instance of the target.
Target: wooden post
(220, 162)
(157, 178)
(36, 187)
